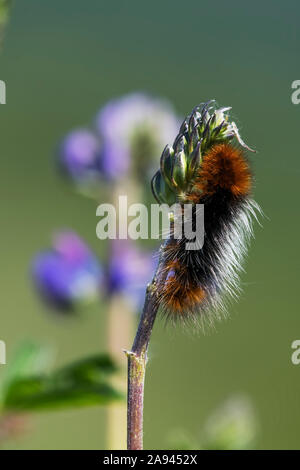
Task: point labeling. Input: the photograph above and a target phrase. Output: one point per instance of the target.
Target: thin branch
(137, 360)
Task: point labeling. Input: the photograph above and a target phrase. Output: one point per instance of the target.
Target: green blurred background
(61, 61)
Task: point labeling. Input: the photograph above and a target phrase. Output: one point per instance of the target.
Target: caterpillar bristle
(224, 167)
(195, 285)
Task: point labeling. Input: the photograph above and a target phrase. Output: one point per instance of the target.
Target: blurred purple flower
(129, 271)
(130, 134)
(69, 273)
(80, 156)
(134, 129)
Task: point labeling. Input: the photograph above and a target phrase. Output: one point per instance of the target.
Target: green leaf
(89, 370)
(4, 9)
(81, 383)
(5, 6)
(37, 394)
(28, 360)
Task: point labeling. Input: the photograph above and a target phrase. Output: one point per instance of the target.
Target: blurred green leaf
(232, 426)
(29, 359)
(181, 439)
(38, 394)
(81, 383)
(5, 6)
(90, 370)
(4, 9)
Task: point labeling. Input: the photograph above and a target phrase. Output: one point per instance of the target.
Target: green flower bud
(161, 191)
(205, 127)
(179, 170)
(166, 164)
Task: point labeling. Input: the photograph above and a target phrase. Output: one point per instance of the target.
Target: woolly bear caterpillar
(203, 167)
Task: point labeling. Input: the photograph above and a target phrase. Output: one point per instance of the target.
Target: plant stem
(120, 329)
(121, 324)
(137, 360)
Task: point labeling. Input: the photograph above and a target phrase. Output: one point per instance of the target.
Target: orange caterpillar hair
(224, 167)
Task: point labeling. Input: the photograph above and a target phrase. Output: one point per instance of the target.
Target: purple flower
(129, 271)
(80, 156)
(134, 129)
(129, 136)
(69, 273)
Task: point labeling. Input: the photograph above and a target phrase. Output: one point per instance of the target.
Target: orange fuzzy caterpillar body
(223, 167)
(180, 293)
(194, 282)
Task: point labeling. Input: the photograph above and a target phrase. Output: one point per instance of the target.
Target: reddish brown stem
(137, 360)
